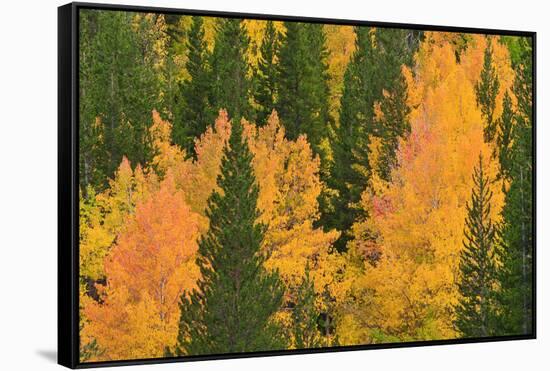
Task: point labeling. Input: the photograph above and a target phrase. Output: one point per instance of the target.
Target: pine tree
(303, 90)
(318, 54)
(195, 111)
(373, 75)
(474, 312)
(232, 309)
(230, 85)
(505, 134)
(291, 102)
(121, 76)
(486, 92)
(265, 77)
(394, 48)
(350, 145)
(516, 253)
(392, 126)
(305, 316)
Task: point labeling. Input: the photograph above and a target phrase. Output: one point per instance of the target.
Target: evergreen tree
(475, 309)
(350, 145)
(121, 78)
(305, 316)
(392, 126)
(373, 75)
(516, 253)
(319, 98)
(230, 86)
(265, 77)
(486, 92)
(195, 111)
(394, 49)
(303, 90)
(232, 309)
(505, 134)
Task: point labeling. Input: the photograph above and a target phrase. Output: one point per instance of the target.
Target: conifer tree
(475, 309)
(319, 98)
(373, 75)
(230, 66)
(265, 77)
(394, 48)
(505, 134)
(305, 329)
(392, 126)
(303, 90)
(516, 252)
(486, 92)
(195, 111)
(350, 145)
(232, 308)
(120, 81)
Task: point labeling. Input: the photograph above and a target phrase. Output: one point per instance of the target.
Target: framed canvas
(238, 185)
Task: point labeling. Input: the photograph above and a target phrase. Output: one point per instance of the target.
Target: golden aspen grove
(251, 185)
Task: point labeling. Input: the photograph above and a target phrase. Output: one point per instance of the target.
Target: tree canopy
(251, 185)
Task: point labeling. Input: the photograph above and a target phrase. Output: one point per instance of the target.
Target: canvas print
(252, 185)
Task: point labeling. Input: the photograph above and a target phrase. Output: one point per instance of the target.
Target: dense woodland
(253, 185)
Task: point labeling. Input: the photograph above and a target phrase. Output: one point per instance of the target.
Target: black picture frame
(68, 199)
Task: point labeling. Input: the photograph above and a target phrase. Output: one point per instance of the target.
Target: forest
(250, 185)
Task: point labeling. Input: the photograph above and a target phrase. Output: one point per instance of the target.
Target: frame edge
(67, 286)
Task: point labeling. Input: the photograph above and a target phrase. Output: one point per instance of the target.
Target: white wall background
(28, 182)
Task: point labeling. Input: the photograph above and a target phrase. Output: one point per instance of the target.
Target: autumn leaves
(137, 315)
(416, 222)
(153, 239)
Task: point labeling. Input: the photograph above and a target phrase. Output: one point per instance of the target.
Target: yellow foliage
(166, 155)
(287, 173)
(158, 224)
(150, 266)
(256, 31)
(416, 221)
(341, 45)
(103, 215)
(397, 282)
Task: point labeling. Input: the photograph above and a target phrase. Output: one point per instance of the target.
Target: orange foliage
(288, 176)
(398, 280)
(153, 258)
(417, 220)
(103, 215)
(151, 264)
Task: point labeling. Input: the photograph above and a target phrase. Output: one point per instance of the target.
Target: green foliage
(519, 47)
(393, 125)
(477, 283)
(380, 337)
(373, 76)
(303, 90)
(230, 85)
(190, 67)
(516, 253)
(394, 49)
(89, 350)
(486, 92)
(232, 309)
(195, 112)
(350, 144)
(265, 77)
(120, 80)
(505, 125)
(305, 316)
